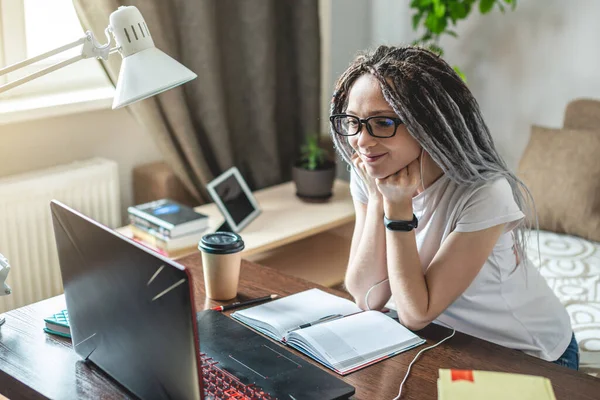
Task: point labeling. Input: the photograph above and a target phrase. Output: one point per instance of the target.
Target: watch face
(400, 226)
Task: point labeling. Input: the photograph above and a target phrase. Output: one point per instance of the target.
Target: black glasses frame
(361, 121)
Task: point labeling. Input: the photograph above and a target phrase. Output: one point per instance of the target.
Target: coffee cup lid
(221, 243)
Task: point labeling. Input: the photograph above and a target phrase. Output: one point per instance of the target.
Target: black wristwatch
(403, 226)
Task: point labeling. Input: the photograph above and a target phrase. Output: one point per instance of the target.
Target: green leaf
(441, 27)
(460, 73)
(439, 10)
(431, 22)
(312, 154)
(416, 19)
(486, 5)
(451, 33)
(458, 11)
(467, 8)
(434, 24)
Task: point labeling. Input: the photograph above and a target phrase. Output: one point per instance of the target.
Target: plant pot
(314, 185)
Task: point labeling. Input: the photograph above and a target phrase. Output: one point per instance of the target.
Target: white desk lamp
(4, 288)
(145, 70)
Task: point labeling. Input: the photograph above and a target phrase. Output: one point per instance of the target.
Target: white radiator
(26, 233)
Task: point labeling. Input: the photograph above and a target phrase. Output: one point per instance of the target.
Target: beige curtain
(257, 91)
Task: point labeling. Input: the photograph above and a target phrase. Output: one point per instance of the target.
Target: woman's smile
(373, 158)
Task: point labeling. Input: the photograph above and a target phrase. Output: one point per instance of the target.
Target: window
(32, 27)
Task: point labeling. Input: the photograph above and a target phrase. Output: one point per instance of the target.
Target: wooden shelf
(307, 240)
(285, 218)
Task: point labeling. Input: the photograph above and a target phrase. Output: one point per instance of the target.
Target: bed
(571, 266)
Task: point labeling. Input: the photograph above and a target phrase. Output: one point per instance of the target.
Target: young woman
(439, 217)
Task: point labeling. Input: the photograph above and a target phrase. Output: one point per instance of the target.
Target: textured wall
(525, 66)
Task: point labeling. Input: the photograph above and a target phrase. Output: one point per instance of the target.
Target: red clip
(462, 375)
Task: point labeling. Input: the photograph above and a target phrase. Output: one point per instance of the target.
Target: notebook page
(292, 311)
(356, 340)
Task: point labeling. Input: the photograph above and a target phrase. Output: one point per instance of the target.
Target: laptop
(132, 314)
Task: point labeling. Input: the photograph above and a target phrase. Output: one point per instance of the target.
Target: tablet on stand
(234, 198)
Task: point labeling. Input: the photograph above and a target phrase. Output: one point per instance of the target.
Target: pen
(245, 303)
(319, 321)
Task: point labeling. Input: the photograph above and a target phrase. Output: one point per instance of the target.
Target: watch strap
(400, 225)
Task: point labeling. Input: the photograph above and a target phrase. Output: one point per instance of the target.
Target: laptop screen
(130, 309)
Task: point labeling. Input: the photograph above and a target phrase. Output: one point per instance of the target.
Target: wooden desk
(35, 365)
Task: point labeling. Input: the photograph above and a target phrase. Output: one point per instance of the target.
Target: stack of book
(166, 226)
(58, 324)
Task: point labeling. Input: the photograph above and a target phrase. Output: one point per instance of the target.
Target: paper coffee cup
(221, 259)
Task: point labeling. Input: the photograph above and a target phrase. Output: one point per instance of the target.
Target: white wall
(345, 30)
(525, 66)
(522, 66)
(47, 142)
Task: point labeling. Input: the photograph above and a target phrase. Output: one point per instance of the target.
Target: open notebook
(348, 340)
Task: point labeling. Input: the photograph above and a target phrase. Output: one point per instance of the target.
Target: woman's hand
(398, 190)
(368, 180)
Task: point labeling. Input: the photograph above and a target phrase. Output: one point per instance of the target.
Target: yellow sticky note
(471, 385)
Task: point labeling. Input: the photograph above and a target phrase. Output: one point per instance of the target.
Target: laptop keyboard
(219, 384)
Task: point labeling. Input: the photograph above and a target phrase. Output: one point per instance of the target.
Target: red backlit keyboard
(220, 384)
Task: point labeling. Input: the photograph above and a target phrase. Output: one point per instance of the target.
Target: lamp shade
(145, 70)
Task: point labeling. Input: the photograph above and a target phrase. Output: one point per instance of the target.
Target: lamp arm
(40, 57)
(90, 49)
(39, 73)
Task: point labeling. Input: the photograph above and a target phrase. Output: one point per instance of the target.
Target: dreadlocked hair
(441, 114)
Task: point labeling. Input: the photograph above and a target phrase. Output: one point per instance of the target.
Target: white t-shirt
(506, 304)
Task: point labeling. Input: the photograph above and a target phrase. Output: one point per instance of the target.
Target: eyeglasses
(350, 125)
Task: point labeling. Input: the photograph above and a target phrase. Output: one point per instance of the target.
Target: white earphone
(421, 168)
(386, 280)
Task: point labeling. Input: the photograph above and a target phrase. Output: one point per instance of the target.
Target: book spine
(148, 237)
(165, 252)
(142, 222)
(150, 218)
(150, 231)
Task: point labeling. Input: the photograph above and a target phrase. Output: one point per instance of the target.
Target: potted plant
(314, 172)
